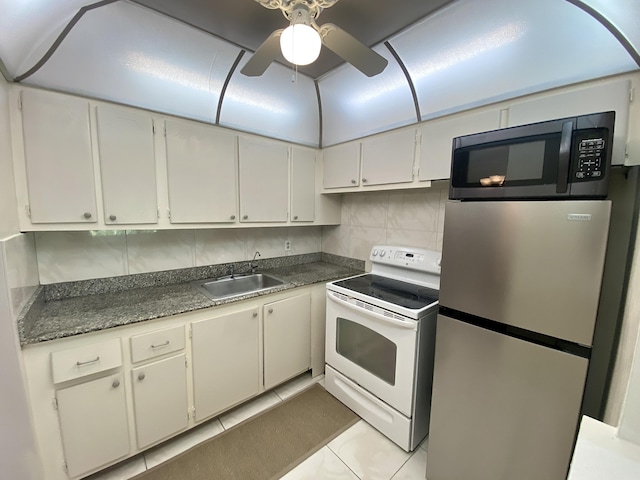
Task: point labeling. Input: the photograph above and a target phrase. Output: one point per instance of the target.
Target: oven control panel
(412, 258)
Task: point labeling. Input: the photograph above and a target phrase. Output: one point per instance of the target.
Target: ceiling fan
(301, 41)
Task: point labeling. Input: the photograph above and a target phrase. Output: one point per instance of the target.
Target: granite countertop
(44, 320)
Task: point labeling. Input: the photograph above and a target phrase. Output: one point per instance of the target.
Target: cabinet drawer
(155, 344)
(85, 360)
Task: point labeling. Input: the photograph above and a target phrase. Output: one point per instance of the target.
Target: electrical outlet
(287, 245)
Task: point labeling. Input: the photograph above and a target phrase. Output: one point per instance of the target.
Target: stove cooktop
(404, 294)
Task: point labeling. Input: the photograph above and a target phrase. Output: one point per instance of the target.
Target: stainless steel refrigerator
(519, 297)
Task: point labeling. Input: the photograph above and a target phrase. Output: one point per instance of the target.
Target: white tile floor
(361, 452)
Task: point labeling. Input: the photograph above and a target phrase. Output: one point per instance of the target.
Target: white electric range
(380, 338)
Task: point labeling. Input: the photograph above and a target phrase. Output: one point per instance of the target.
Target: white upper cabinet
(438, 135)
(127, 165)
(201, 164)
(388, 158)
(303, 184)
(341, 165)
(602, 97)
(264, 180)
(58, 158)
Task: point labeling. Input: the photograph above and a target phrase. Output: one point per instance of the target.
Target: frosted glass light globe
(300, 44)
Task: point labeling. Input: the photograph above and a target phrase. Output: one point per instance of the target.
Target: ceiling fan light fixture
(300, 44)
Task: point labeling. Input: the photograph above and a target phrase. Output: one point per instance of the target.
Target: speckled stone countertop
(49, 319)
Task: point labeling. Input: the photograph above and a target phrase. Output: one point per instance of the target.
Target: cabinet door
(264, 181)
(388, 158)
(127, 165)
(226, 362)
(93, 422)
(287, 339)
(160, 399)
(59, 164)
(599, 98)
(303, 185)
(341, 165)
(437, 140)
(201, 173)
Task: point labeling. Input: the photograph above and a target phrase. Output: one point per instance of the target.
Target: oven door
(376, 352)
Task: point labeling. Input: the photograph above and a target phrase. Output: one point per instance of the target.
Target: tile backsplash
(402, 217)
(72, 256)
(413, 218)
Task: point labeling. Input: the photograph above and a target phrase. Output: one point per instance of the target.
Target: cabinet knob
(232, 217)
(271, 310)
(353, 181)
(255, 314)
(115, 384)
(112, 218)
(141, 376)
(244, 217)
(295, 217)
(364, 180)
(87, 215)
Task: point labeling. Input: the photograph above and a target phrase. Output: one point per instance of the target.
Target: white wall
(8, 208)
(18, 280)
(629, 428)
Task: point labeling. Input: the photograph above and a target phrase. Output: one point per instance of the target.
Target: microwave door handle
(564, 157)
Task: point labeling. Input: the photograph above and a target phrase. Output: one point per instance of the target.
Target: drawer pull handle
(115, 384)
(160, 345)
(141, 376)
(88, 362)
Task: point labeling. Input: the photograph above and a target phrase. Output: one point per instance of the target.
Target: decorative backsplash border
(59, 291)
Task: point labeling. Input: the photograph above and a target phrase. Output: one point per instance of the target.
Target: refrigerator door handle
(564, 157)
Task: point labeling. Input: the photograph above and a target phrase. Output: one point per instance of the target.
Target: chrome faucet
(252, 265)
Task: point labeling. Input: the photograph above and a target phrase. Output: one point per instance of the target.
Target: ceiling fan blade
(262, 58)
(352, 50)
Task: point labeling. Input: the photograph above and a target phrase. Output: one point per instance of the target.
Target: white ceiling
(465, 54)
(247, 23)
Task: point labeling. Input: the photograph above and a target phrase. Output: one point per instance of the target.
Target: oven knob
(375, 253)
(382, 253)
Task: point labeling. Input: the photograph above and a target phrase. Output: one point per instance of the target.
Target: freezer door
(533, 265)
(502, 408)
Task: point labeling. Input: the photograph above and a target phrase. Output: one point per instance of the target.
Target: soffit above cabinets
(184, 58)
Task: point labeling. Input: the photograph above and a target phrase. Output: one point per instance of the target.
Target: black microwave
(568, 157)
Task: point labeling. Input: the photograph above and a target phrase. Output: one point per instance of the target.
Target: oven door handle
(374, 315)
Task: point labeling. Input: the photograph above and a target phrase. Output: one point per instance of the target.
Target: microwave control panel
(591, 150)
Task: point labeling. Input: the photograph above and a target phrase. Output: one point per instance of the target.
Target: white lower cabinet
(112, 403)
(287, 339)
(226, 361)
(93, 423)
(160, 399)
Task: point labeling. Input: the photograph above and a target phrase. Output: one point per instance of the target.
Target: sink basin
(231, 286)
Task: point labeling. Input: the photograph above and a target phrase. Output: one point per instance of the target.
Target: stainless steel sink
(231, 286)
